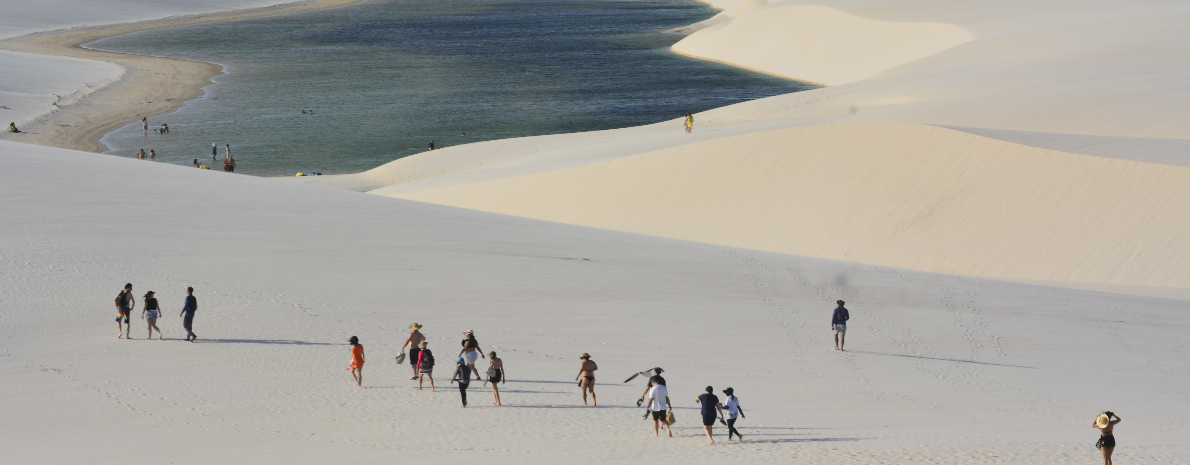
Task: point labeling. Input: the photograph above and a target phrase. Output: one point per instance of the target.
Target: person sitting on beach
(12, 127)
(196, 163)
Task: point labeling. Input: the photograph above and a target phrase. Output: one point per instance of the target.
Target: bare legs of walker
(422, 377)
(587, 385)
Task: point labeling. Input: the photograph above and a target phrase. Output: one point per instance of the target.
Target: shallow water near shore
(384, 78)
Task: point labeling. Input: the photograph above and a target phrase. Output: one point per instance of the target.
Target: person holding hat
(1107, 441)
(425, 365)
(839, 325)
(586, 370)
(471, 351)
(357, 360)
(710, 404)
(150, 312)
(733, 410)
(415, 338)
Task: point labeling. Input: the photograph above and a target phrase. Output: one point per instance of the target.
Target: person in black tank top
(149, 313)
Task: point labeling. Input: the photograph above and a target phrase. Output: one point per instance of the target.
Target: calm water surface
(386, 77)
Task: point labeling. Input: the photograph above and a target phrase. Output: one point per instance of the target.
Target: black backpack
(122, 299)
(428, 361)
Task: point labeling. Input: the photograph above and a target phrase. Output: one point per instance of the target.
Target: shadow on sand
(942, 359)
(266, 341)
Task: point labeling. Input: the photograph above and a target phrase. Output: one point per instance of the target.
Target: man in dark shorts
(839, 325)
(710, 405)
(124, 303)
(188, 314)
(415, 338)
(658, 397)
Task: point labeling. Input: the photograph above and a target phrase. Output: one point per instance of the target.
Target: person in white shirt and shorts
(658, 398)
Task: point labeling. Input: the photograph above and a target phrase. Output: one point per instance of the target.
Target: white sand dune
(907, 196)
(941, 369)
(815, 43)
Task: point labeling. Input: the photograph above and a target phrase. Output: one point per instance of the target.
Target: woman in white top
(732, 404)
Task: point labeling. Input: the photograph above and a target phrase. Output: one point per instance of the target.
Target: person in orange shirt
(357, 361)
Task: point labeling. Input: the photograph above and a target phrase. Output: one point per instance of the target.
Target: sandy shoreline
(149, 86)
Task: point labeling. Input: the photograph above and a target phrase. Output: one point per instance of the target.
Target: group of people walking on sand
(421, 361)
(150, 312)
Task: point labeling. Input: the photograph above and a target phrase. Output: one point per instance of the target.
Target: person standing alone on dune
(839, 325)
(188, 313)
(689, 122)
(586, 370)
(124, 303)
(357, 361)
(415, 338)
(1107, 440)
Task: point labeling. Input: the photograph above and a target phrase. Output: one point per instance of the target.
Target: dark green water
(385, 77)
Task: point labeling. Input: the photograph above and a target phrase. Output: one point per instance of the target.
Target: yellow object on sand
(669, 418)
(300, 174)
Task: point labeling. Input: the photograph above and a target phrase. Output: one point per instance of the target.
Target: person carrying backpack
(124, 303)
(425, 365)
(839, 325)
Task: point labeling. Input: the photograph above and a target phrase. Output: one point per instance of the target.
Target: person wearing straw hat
(839, 324)
(425, 365)
(586, 370)
(357, 361)
(415, 338)
(150, 312)
(1107, 441)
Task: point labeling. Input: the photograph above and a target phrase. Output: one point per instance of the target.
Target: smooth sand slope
(941, 369)
(908, 196)
(95, 92)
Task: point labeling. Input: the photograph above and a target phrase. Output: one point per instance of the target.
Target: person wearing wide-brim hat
(732, 404)
(150, 312)
(415, 338)
(839, 324)
(471, 351)
(586, 371)
(424, 368)
(1107, 440)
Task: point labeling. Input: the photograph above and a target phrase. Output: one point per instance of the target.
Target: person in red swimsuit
(357, 361)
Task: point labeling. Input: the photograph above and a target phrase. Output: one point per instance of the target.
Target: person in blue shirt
(710, 405)
(188, 314)
(839, 325)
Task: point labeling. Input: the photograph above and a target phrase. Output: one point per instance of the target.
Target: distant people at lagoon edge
(141, 154)
(187, 314)
(659, 405)
(152, 154)
(145, 124)
(710, 405)
(214, 150)
(839, 324)
(12, 127)
(124, 303)
(689, 122)
(495, 375)
(471, 351)
(357, 361)
(425, 365)
(1107, 440)
(415, 338)
(150, 312)
(586, 371)
(431, 145)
